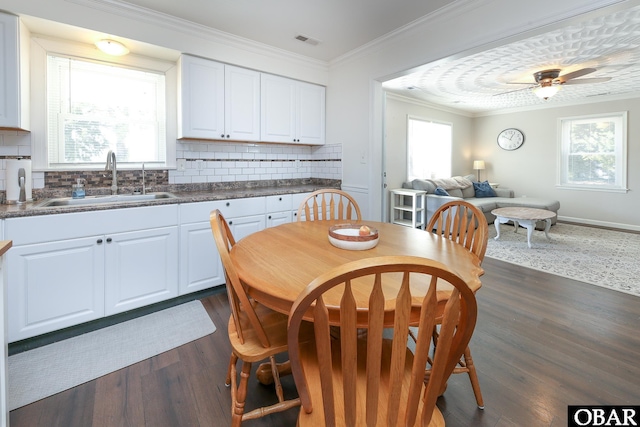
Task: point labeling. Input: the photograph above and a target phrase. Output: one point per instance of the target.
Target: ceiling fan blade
(576, 74)
(586, 81)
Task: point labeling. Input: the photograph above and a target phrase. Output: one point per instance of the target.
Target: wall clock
(510, 139)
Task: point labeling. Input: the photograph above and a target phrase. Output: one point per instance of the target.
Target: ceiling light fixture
(112, 47)
(546, 91)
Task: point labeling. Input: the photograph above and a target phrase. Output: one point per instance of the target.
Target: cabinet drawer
(50, 228)
(231, 208)
(296, 200)
(279, 203)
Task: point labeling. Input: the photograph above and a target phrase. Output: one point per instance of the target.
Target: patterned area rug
(606, 258)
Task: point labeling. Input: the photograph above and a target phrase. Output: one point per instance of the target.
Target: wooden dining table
(277, 263)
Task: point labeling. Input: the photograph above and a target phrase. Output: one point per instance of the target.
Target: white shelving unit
(408, 207)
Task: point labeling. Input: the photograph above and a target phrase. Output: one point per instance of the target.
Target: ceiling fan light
(545, 92)
(112, 47)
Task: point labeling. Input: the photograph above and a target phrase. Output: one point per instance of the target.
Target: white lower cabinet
(279, 209)
(296, 201)
(54, 285)
(277, 218)
(200, 265)
(141, 268)
(68, 269)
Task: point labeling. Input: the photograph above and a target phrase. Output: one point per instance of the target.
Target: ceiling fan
(548, 82)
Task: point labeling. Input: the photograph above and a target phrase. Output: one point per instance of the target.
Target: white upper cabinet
(241, 104)
(217, 101)
(310, 117)
(14, 73)
(200, 98)
(292, 111)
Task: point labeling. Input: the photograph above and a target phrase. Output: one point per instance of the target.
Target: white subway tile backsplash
(217, 162)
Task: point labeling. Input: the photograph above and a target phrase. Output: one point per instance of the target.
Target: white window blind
(94, 107)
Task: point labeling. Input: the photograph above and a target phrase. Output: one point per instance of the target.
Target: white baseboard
(600, 223)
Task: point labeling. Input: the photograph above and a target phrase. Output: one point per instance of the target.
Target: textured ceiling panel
(485, 81)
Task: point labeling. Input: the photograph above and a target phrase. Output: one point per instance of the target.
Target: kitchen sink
(101, 200)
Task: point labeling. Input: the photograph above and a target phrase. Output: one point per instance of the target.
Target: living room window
(92, 103)
(428, 149)
(593, 152)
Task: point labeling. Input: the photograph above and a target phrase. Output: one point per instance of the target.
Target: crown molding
(592, 100)
(142, 14)
(463, 7)
(427, 104)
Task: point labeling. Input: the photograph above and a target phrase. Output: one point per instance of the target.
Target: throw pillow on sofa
(441, 191)
(483, 189)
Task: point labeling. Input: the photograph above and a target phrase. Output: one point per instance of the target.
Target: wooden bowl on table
(353, 237)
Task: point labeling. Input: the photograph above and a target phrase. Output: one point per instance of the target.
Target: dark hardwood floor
(542, 342)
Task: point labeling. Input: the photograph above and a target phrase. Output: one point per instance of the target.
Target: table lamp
(478, 165)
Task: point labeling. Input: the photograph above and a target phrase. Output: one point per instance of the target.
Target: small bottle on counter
(78, 189)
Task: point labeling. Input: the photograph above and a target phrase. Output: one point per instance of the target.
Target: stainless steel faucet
(144, 188)
(111, 164)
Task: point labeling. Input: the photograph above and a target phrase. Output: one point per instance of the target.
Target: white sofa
(504, 196)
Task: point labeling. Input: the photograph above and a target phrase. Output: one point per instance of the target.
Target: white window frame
(620, 185)
(41, 46)
(411, 176)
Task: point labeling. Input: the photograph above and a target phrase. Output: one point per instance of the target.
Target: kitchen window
(93, 104)
(428, 149)
(593, 152)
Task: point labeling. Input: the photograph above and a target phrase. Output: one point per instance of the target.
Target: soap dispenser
(78, 189)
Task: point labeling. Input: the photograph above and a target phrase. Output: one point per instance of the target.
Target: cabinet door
(277, 109)
(54, 285)
(277, 218)
(141, 268)
(243, 226)
(200, 98)
(14, 69)
(296, 201)
(242, 104)
(310, 117)
(200, 265)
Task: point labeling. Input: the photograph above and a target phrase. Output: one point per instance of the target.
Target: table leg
(529, 225)
(496, 224)
(515, 226)
(264, 375)
(546, 228)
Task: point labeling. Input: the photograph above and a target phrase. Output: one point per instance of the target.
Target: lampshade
(478, 165)
(545, 92)
(112, 47)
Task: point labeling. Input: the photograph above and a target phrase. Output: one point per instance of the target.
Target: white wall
(532, 169)
(396, 112)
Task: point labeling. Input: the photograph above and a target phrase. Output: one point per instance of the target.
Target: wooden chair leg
(232, 362)
(467, 366)
(239, 395)
(473, 377)
(276, 379)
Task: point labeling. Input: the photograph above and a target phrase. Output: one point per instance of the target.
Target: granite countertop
(182, 196)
